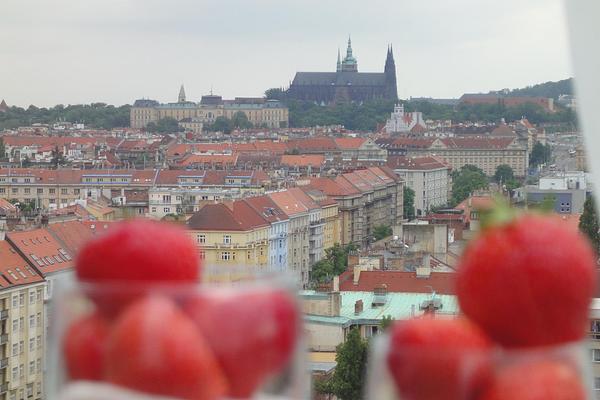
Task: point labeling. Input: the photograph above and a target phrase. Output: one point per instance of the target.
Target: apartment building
(22, 335)
(298, 233)
(316, 225)
(366, 198)
(329, 214)
(53, 189)
(485, 152)
(428, 177)
(278, 230)
(230, 235)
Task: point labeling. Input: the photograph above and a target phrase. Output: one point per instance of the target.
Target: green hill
(547, 89)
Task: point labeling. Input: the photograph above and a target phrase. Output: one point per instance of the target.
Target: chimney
(336, 283)
(353, 259)
(358, 307)
(356, 275)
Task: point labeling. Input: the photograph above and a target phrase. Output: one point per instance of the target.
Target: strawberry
(252, 333)
(432, 358)
(136, 251)
(155, 348)
(536, 380)
(84, 345)
(528, 282)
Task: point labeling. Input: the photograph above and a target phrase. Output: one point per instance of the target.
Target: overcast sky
(114, 51)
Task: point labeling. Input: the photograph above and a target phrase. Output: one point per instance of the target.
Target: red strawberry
(528, 282)
(252, 334)
(139, 251)
(155, 348)
(536, 380)
(438, 359)
(84, 344)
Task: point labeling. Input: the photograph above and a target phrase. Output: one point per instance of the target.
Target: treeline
(95, 115)
(366, 116)
(547, 89)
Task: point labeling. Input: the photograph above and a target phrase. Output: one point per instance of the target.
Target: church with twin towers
(346, 84)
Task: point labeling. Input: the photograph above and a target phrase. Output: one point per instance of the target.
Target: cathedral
(346, 84)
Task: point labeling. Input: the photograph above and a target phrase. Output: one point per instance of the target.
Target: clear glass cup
(473, 374)
(238, 305)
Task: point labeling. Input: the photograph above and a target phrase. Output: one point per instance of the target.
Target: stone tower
(181, 98)
(390, 75)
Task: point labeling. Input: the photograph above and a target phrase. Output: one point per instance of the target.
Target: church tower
(390, 75)
(181, 98)
(349, 64)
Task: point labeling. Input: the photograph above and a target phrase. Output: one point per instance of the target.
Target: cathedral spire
(181, 98)
(339, 62)
(349, 49)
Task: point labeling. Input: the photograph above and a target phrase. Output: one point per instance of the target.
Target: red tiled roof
(267, 208)
(7, 206)
(288, 203)
(303, 160)
(477, 143)
(348, 143)
(412, 142)
(214, 217)
(415, 163)
(317, 143)
(305, 199)
(224, 159)
(14, 269)
(73, 234)
(356, 181)
(503, 130)
(42, 250)
(248, 216)
(398, 282)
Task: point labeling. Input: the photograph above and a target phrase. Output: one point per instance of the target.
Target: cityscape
(364, 196)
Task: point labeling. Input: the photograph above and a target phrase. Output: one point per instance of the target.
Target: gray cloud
(68, 51)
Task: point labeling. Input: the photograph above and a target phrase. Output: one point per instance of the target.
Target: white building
(164, 200)
(429, 177)
(401, 121)
(564, 181)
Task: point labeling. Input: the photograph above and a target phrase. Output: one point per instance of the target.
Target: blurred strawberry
(252, 333)
(155, 348)
(438, 359)
(536, 380)
(528, 282)
(84, 346)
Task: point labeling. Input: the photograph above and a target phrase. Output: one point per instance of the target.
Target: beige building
(428, 177)
(259, 111)
(486, 153)
(230, 235)
(594, 344)
(23, 338)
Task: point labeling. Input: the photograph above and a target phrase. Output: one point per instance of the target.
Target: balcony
(3, 388)
(3, 363)
(594, 335)
(3, 338)
(3, 315)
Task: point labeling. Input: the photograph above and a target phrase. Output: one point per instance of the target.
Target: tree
(465, 181)
(322, 271)
(588, 222)
(240, 120)
(221, 124)
(2, 148)
(382, 231)
(504, 173)
(168, 125)
(540, 154)
(409, 203)
(57, 157)
(348, 378)
(275, 94)
(386, 322)
(151, 127)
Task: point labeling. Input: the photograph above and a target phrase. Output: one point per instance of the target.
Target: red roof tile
(415, 163)
(14, 269)
(42, 250)
(348, 143)
(317, 143)
(215, 217)
(267, 208)
(303, 160)
(398, 282)
(288, 203)
(73, 234)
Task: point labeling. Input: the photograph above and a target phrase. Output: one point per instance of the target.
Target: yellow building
(259, 111)
(22, 317)
(230, 235)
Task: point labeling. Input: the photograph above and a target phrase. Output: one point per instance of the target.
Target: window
(202, 254)
(30, 390)
(38, 295)
(2, 190)
(21, 372)
(153, 209)
(13, 395)
(167, 209)
(52, 191)
(31, 321)
(227, 239)
(21, 323)
(63, 191)
(39, 388)
(201, 238)
(39, 365)
(22, 299)
(249, 254)
(76, 191)
(225, 256)
(15, 301)
(597, 384)
(15, 325)
(596, 355)
(27, 190)
(21, 347)
(38, 318)
(15, 349)
(31, 367)
(31, 297)
(31, 344)
(15, 190)
(15, 373)
(38, 342)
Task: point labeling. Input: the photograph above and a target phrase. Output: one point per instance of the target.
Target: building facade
(428, 177)
(346, 84)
